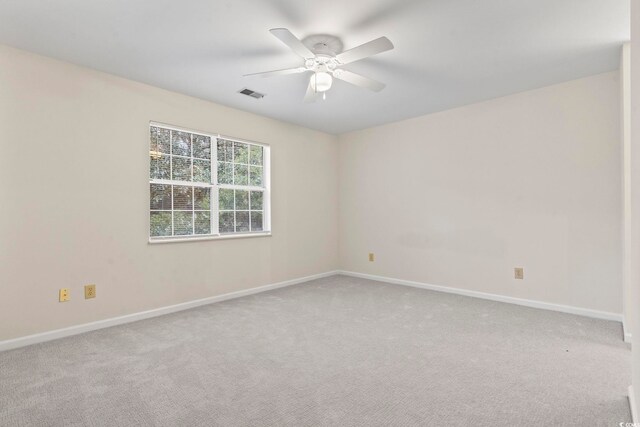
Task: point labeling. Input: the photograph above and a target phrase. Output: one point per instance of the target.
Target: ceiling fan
(323, 56)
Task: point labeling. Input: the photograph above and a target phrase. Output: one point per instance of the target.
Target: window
(205, 185)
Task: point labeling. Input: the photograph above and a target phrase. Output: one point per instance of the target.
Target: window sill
(209, 237)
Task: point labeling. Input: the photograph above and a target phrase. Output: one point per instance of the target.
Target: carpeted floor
(338, 351)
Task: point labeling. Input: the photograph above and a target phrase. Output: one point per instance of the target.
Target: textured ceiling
(447, 52)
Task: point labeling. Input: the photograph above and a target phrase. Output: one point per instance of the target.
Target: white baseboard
(100, 324)
(493, 297)
(625, 332)
(632, 405)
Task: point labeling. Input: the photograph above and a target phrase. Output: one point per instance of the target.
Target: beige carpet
(334, 352)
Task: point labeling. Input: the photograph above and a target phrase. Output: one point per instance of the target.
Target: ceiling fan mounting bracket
(323, 44)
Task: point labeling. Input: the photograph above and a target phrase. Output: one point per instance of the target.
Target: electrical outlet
(63, 295)
(89, 291)
(372, 257)
(518, 272)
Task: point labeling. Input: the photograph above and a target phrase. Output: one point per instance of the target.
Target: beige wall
(74, 199)
(460, 198)
(456, 198)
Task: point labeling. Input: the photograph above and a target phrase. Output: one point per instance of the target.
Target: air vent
(251, 93)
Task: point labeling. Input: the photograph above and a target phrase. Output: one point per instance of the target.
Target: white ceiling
(447, 52)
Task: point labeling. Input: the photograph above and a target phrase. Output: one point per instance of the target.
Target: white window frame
(214, 187)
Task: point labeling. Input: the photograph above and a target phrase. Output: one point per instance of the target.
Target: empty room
(293, 213)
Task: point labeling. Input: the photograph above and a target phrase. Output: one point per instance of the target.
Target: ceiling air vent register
(251, 93)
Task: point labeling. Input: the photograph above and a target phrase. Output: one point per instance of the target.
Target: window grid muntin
(214, 185)
(235, 145)
(249, 209)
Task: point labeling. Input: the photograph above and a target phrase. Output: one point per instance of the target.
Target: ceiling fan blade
(278, 72)
(358, 80)
(293, 42)
(371, 48)
(311, 95)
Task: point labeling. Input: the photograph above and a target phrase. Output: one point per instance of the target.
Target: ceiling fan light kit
(324, 58)
(321, 81)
